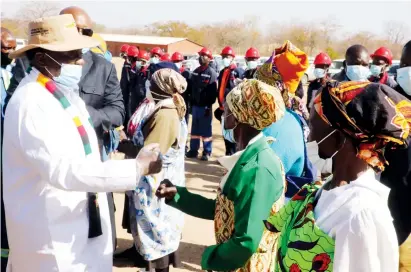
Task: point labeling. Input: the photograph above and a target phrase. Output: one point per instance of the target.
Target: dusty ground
(202, 178)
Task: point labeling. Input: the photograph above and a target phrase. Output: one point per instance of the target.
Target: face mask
(178, 64)
(139, 64)
(85, 50)
(376, 70)
(252, 64)
(358, 72)
(323, 165)
(108, 56)
(154, 60)
(227, 62)
(70, 74)
(228, 134)
(404, 79)
(5, 59)
(319, 73)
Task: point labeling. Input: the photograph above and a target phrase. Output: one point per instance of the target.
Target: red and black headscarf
(375, 116)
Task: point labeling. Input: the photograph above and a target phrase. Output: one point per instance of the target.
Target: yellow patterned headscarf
(255, 103)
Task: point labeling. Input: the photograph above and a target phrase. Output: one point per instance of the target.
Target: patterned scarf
(95, 229)
(375, 116)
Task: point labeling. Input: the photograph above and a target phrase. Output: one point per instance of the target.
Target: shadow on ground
(190, 254)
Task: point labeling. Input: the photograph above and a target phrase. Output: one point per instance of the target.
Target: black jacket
(203, 87)
(99, 88)
(249, 74)
(138, 89)
(397, 176)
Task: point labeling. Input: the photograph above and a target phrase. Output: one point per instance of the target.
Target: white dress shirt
(46, 175)
(357, 217)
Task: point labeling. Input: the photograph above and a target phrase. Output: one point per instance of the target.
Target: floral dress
(155, 226)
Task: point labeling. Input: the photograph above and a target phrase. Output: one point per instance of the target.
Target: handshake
(149, 160)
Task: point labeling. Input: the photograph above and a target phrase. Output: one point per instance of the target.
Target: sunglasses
(85, 31)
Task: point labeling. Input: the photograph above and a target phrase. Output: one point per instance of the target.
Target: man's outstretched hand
(166, 190)
(149, 159)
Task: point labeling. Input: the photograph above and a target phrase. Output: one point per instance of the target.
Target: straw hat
(56, 33)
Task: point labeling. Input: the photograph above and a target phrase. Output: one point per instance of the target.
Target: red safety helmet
(228, 51)
(157, 50)
(124, 48)
(142, 54)
(252, 53)
(383, 52)
(206, 52)
(165, 57)
(177, 56)
(132, 51)
(322, 58)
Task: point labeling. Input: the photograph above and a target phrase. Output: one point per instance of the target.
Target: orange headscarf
(291, 63)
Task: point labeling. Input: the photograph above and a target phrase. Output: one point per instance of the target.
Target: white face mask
(252, 64)
(322, 165)
(404, 79)
(319, 73)
(178, 64)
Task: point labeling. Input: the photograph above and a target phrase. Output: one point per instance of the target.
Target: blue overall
(201, 129)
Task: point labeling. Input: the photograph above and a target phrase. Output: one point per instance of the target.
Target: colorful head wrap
(172, 83)
(255, 103)
(284, 70)
(373, 115)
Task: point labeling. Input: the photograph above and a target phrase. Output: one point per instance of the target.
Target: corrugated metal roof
(140, 39)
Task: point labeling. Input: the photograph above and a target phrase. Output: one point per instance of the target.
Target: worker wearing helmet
(156, 54)
(138, 88)
(177, 58)
(203, 86)
(165, 58)
(381, 61)
(123, 51)
(226, 82)
(251, 57)
(322, 64)
(132, 53)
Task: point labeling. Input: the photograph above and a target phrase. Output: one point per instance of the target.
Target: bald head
(357, 55)
(8, 44)
(406, 55)
(80, 16)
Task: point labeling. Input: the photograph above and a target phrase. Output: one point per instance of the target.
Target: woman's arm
(193, 204)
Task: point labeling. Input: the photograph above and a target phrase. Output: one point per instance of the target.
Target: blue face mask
(358, 72)
(228, 134)
(319, 73)
(108, 56)
(227, 62)
(70, 75)
(376, 70)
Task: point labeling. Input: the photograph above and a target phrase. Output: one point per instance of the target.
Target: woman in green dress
(252, 189)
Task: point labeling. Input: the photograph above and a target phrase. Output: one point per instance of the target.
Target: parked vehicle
(336, 67)
(392, 71)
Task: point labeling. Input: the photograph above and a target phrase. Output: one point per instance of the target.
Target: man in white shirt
(52, 161)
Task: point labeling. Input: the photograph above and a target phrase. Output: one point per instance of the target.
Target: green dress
(302, 246)
(254, 190)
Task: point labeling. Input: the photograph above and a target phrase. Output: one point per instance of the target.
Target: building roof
(140, 39)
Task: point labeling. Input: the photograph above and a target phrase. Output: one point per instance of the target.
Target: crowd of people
(315, 181)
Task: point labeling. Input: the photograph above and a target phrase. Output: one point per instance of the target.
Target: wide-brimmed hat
(56, 33)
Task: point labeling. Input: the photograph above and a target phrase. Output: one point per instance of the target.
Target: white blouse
(357, 217)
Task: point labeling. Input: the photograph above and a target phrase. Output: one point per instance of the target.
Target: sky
(353, 16)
